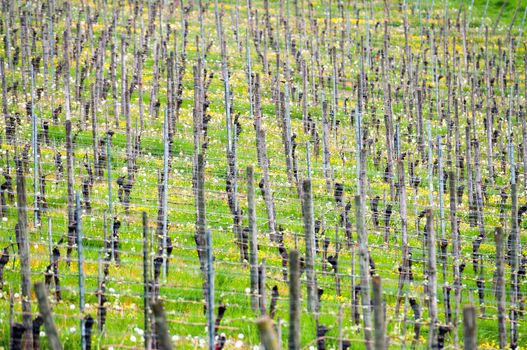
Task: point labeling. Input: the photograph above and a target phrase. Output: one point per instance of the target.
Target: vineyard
(306, 174)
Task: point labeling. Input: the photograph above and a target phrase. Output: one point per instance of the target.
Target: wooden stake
(163, 338)
(253, 257)
(45, 311)
(23, 244)
(309, 232)
(469, 327)
(378, 315)
(294, 300)
(432, 279)
(267, 333)
(500, 288)
(364, 273)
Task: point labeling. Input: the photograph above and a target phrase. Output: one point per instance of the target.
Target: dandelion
(133, 338)
(238, 344)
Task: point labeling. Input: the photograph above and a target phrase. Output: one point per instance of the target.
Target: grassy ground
(182, 290)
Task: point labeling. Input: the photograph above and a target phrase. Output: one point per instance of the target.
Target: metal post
(210, 284)
(165, 194)
(146, 295)
(110, 204)
(50, 241)
(80, 259)
(308, 160)
(441, 187)
(430, 167)
(34, 137)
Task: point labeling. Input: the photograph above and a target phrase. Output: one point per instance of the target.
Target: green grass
(182, 291)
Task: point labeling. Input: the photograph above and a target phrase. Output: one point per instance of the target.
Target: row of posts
(269, 338)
